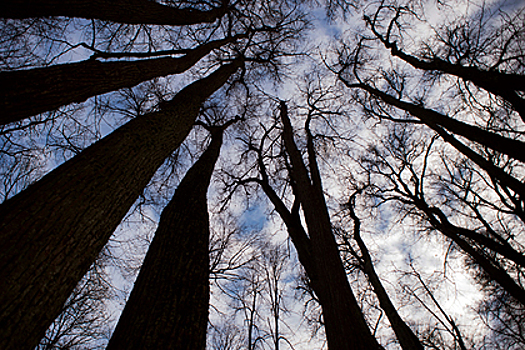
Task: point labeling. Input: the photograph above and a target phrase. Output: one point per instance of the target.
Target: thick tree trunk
(121, 11)
(168, 306)
(54, 230)
(29, 92)
(345, 325)
(407, 339)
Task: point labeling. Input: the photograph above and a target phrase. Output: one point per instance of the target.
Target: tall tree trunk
(504, 85)
(345, 324)
(168, 306)
(54, 230)
(493, 269)
(407, 339)
(512, 148)
(29, 92)
(121, 11)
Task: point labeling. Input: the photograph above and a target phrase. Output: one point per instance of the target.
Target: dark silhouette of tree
(461, 51)
(51, 87)
(121, 11)
(344, 323)
(168, 306)
(394, 162)
(54, 230)
(407, 338)
(463, 47)
(423, 116)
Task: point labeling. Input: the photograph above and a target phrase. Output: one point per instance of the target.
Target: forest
(262, 174)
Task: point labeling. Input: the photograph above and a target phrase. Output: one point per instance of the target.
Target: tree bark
(29, 92)
(120, 11)
(54, 230)
(168, 306)
(345, 325)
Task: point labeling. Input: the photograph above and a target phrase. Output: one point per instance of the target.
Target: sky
(396, 242)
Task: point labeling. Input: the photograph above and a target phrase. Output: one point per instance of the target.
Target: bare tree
(80, 198)
(123, 11)
(407, 338)
(168, 306)
(344, 322)
(405, 165)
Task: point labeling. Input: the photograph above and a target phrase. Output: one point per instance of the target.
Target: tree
(51, 87)
(422, 111)
(122, 11)
(54, 230)
(407, 338)
(344, 322)
(168, 306)
(87, 197)
(394, 162)
(462, 52)
(494, 148)
(460, 47)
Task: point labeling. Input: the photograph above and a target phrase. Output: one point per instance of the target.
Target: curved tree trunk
(512, 148)
(505, 85)
(493, 269)
(168, 306)
(29, 92)
(498, 83)
(345, 325)
(121, 11)
(54, 230)
(407, 339)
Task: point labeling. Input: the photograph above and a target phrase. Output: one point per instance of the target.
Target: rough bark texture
(29, 92)
(54, 230)
(168, 306)
(121, 11)
(345, 325)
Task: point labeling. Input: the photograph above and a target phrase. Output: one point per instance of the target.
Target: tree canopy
(369, 194)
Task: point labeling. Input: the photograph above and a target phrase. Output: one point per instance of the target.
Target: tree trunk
(54, 230)
(168, 306)
(407, 339)
(345, 325)
(29, 92)
(120, 11)
(494, 271)
(504, 85)
(510, 147)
